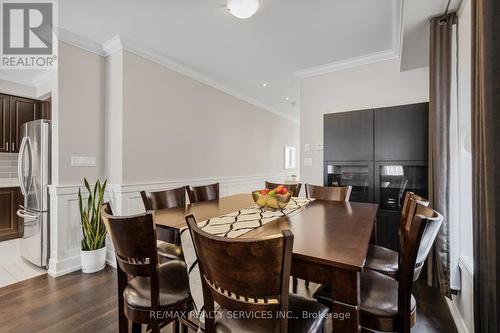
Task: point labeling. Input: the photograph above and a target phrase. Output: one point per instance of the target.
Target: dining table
(331, 240)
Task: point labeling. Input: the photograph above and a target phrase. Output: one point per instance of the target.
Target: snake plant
(94, 230)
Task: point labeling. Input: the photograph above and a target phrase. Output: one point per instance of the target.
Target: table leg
(346, 299)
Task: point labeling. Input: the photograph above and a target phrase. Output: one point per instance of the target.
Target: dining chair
(332, 193)
(387, 304)
(203, 193)
(169, 241)
(144, 285)
(251, 275)
(384, 260)
(294, 188)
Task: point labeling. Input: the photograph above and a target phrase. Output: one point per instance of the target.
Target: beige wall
(176, 128)
(78, 114)
(376, 85)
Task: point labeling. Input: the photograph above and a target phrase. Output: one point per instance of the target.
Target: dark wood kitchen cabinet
(4, 123)
(14, 112)
(10, 223)
(22, 110)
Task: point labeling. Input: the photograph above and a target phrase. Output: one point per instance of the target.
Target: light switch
(83, 161)
(306, 147)
(308, 161)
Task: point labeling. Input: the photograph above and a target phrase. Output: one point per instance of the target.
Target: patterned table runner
(230, 225)
(235, 224)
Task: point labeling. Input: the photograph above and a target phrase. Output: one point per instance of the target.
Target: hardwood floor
(80, 302)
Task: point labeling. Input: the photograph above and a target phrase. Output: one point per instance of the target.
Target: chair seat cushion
(297, 322)
(379, 301)
(169, 250)
(382, 260)
(173, 283)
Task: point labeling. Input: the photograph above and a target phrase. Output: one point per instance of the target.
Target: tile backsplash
(8, 165)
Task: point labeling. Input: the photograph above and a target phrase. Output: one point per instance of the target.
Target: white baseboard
(462, 305)
(457, 318)
(63, 267)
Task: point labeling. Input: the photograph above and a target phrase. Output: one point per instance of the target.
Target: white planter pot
(93, 261)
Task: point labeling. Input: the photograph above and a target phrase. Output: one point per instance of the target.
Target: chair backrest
(243, 274)
(134, 240)
(203, 193)
(435, 220)
(423, 225)
(332, 193)
(294, 188)
(164, 199)
(407, 213)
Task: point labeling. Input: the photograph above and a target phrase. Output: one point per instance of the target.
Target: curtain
(438, 262)
(486, 162)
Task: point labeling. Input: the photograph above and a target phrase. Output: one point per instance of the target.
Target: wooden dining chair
(251, 275)
(144, 285)
(387, 304)
(294, 188)
(169, 239)
(164, 199)
(332, 193)
(384, 260)
(203, 193)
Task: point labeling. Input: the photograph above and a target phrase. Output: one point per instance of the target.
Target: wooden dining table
(330, 245)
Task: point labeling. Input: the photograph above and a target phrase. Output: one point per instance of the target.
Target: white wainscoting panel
(462, 305)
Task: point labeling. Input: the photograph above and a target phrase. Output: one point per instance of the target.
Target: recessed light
(287, 99)
(264, 84)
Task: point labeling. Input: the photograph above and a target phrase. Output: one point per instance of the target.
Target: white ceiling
(26, 77)
(283, 37)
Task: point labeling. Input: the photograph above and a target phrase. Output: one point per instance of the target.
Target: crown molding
(389, 54)
(348, 63)
(79, 41)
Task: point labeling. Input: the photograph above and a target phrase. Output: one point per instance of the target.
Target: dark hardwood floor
(80, 302)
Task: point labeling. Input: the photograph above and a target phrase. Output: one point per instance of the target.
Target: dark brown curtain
(486, 162)
(438, 262)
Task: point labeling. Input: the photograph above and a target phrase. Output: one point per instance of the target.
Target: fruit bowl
(275, 199)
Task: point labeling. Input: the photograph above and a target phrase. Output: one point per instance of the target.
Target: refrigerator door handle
(25, 215)
(20, 165)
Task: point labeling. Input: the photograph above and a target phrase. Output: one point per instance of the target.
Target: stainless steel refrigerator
(34, 177)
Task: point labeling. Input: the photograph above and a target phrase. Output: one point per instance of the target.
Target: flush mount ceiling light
(243, 9)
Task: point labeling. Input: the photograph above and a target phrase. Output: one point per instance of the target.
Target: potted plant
(93, 249)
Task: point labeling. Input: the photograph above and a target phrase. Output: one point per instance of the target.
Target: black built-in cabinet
(382, 154)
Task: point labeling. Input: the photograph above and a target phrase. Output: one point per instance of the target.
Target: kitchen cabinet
(14, 112)
(4, 123)
(382, 154)
(354, 128)
(10, 224)
(22, 110)
(401, 133)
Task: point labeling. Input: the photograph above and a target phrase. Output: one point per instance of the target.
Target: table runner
(237, 223)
